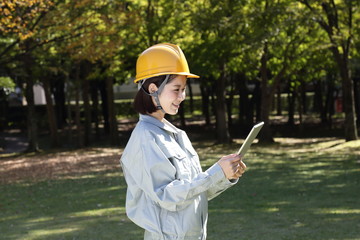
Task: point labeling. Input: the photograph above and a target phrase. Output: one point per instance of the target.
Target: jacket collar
(165, 124)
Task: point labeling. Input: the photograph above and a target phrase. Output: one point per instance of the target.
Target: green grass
(295, 189)
(88, 207)
(289, 194)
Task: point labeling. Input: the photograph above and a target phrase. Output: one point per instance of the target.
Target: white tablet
(250, 138)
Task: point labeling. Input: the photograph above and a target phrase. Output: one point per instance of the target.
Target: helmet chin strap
(156, 93)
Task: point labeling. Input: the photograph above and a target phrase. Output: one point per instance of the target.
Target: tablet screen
(250, 138)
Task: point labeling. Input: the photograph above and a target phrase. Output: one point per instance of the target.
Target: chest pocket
(180, 161)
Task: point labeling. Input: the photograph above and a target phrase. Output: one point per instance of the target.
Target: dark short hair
(143, 103)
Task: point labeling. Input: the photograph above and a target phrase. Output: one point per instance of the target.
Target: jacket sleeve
(222, 185)
(155, 175)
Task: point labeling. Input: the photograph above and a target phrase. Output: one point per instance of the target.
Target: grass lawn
(294, 189)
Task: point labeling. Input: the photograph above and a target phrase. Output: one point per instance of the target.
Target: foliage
(219, 38)
(19, 18)
(7, 83)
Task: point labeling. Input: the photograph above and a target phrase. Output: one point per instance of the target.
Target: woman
(168, 192)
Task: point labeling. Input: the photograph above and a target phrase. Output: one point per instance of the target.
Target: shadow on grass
(286, 196)
(89, 207)
(288, 192)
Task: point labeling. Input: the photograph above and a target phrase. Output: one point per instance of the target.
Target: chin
(173, 112)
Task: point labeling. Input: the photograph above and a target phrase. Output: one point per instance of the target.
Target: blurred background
(66, 93)
(67, 68)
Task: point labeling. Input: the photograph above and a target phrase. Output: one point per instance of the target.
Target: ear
(152, 88)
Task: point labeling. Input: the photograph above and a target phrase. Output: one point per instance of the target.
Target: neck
(159, 115)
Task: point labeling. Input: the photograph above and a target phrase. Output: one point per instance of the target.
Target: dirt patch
(74, 163)
(55, 165)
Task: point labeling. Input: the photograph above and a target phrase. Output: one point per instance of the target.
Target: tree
(219, 31)
(18, 25)
(84, 31)
(336, 19)
(281, 35)
(19, 21)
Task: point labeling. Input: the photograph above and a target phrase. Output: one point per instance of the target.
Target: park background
(293, 64)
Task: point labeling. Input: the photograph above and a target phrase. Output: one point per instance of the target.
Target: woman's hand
(232, 166)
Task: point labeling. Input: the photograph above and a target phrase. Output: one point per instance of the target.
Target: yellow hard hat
(162, 59)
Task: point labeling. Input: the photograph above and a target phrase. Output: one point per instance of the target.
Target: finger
(241, 169)
(237, 175)
(240, 173)
(235, 158)
(238, 170)
(242, 164)
(235, 168)
(227, 157)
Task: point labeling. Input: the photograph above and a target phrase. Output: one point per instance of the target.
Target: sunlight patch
(272, 209)
(338, 211)
(49, 232)
(98, 212)
(345, 146)
(39, 220)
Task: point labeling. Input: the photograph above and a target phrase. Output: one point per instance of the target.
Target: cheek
(169, 97)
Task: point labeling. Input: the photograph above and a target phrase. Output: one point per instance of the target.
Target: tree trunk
(58, 87)
(104, 106)
(69, 109)
(29, 94)
(318, 101)
(348, 96)
(191, 97)
(212, 102)
(257, 101)
(79, 131)
(51, 113)
(341, 50)
(114, 138)
(291, 107)
(266, 134)
(329, 101)
(349, 107)
(303, 101)
(298, 97)
(95, 107)
(3, 112)
(205, 103)
(267, 95)
(357, 98)
(246, 105)
(222, 130)
(229, 106)
(244, 102)
(278, 102)
(31, 117)
(86, 102)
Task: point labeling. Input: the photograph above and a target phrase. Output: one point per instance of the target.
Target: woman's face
(173, 94)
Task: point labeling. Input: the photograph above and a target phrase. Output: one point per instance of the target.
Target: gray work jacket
(167, 191)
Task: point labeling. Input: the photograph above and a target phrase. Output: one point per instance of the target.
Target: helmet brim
(188, 75)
